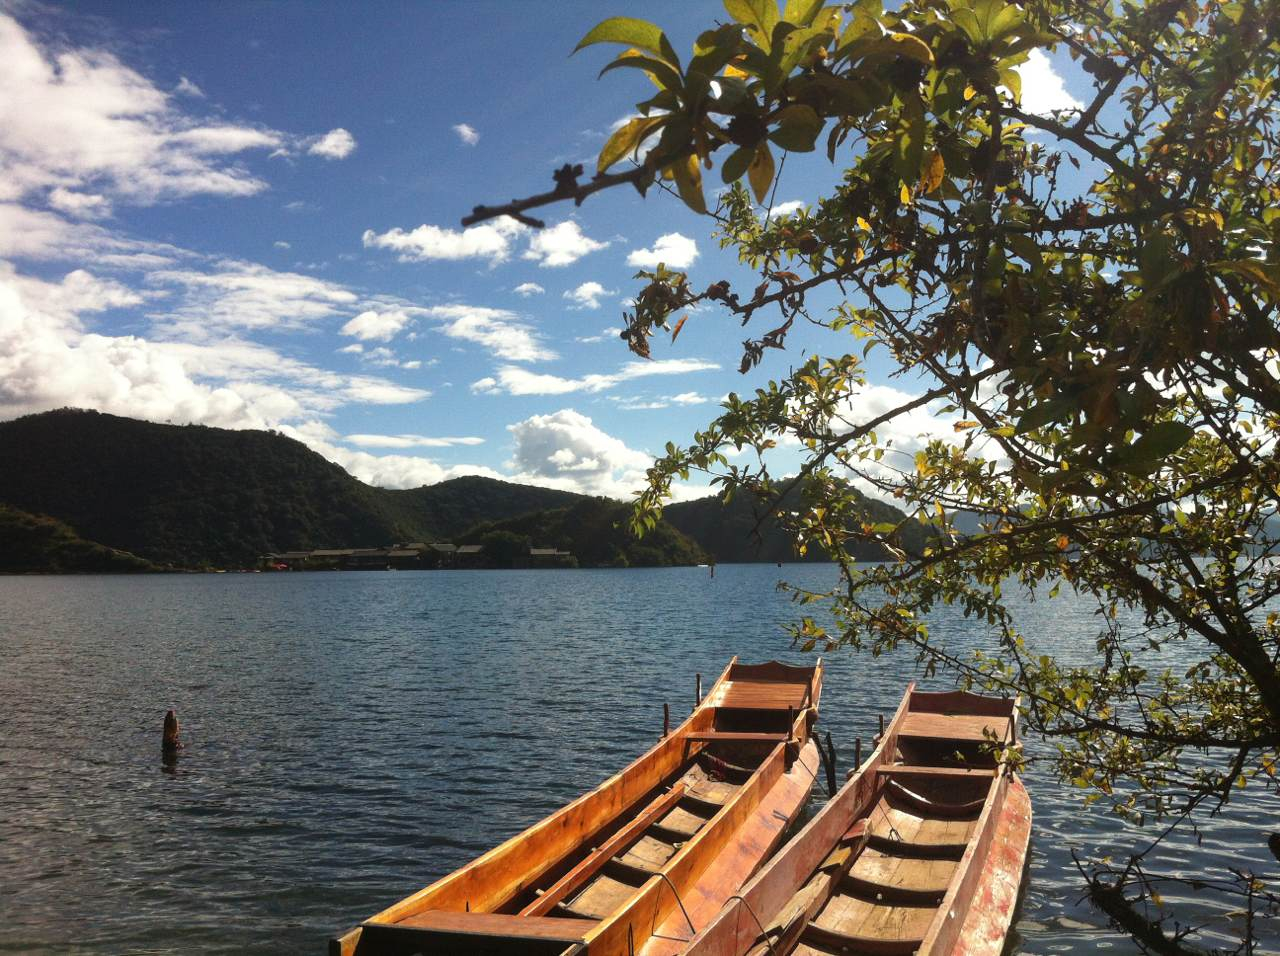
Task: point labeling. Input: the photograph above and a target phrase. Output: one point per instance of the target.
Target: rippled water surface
(352, 736)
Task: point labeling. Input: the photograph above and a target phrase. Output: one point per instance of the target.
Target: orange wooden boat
(921, 853)
(636, 865)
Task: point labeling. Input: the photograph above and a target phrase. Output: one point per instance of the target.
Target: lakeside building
(418, 555)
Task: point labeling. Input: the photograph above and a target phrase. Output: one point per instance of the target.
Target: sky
(246, 215)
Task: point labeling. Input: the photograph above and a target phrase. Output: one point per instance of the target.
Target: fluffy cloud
(81, 118)
(566, 450)
(1043, 90)
(587, 295)
(785, 208)
(498, 330)
(384, 471)
(376, 326)
(248, 296)
(684, 398)
(673, 250)
(491, 240)
(526, 289)
(409, 441)
(49, 360)
(38, 234)
(335, 144)
(467, 133)
(80, 205)
(560, 245)
(512, 380)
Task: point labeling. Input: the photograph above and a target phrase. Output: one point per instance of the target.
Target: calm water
(352, 736)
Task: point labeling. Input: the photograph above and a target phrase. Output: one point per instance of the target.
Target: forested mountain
(192, 496)
(595, 531)
(729, 532)
(37, 543)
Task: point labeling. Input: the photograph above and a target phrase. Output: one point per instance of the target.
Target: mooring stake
(697, 691)
(170, 743)
(666, 719)
(831, 766)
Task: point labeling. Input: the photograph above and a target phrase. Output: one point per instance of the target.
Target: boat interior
(549, 889)
(890, 849)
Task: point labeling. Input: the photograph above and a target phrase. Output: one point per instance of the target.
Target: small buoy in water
(170, 743)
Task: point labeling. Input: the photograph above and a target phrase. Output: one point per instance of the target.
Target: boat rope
(764, 933)
(693, 929)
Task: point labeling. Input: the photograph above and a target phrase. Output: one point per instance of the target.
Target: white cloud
(498, 330)
(335, 144)
(186, 87)
(527, 289)
(355, 348)
(38, 234)
(467, 133)
(639, 404)
(80, 205)
(247, 295)
(560, 245)
(1043, 89)
(673, 250)
(587, 295)
(601, 336)
(81, 119)
(786, 208)
(281, 244)
(512, 380)
(491, 241)
(410, 441)
(376, 326)
(566, 450)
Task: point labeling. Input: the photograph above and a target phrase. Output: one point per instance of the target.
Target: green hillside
(36, 543)
(595, 531)
(194, 496)
(729, 533)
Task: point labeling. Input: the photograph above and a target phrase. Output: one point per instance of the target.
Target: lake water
(352, 736)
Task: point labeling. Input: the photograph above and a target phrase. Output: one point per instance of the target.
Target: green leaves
(627, 139)
(797, 128)
(759, 16)
(631, 32)
(760, 172)
(1158, 442)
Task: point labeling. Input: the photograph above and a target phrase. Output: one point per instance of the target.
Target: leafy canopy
(1091, 294)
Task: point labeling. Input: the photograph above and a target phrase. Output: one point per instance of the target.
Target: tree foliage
(1091, 294)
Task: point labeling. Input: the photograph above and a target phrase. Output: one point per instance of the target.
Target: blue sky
(246, 215)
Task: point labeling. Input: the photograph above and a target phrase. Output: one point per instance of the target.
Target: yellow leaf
(679, 326)
(688, 176)
(1063, 542)
(905, 195)
(965, 425)
(733, 71)
(969, 93)
(863, 224)
(760, 172)
(859, 254)
(904, 44)
(934, 171)
(626, 140)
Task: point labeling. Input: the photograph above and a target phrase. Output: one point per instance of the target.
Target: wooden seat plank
(961, 727)
(760, 695)
(496, 924)
(905, 770)
(727, 736)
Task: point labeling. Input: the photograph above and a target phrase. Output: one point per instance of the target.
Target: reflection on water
(351, 736)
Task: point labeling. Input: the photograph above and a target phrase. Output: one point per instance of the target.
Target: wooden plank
(603, 897)
(614, 845)
(990, 916)
(498, 924)
(759, 695)
(904, 770)
(711, 736)
(960, 727)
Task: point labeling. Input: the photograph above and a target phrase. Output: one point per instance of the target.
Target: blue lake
(352, 736)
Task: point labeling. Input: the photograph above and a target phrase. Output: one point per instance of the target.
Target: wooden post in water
(170, 743)
(697, 691)
(857, 753)
(831, 766)
(666, 719)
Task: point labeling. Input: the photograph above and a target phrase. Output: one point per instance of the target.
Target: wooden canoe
(642, 862)
(920, 853)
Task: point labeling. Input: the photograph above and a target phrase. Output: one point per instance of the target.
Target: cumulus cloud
(560, 245)
(672, 250)
(526, 289)
(491, 240)
(467, 133)
(39, 234)
(246, 295)
(80, 205)
(512, 380)
(498, 330)
(1043, 89)
(376, 326)
(187, 88)
(335, 144)
(566, 450)
(588, 295)
(640, 404)
(786, 208)
(281, 244)
(410, 441)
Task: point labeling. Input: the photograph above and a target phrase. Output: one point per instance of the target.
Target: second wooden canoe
(641, 863)
(921, 853)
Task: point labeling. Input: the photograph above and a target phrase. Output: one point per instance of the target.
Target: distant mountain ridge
(191, 495)
(197, 496)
